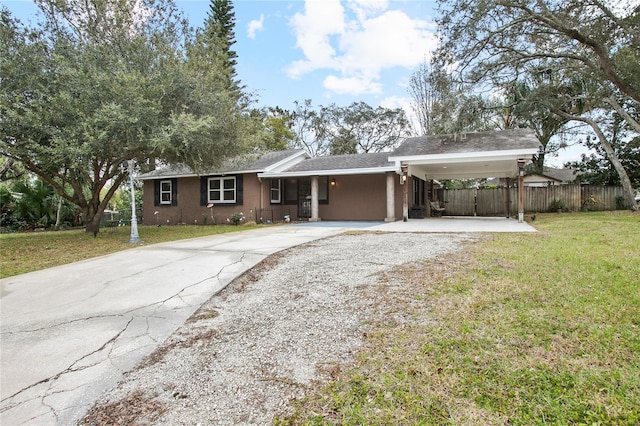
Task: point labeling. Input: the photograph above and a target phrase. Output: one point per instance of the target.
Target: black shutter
(174, 192)
(156, 192)
(239, 190)
(203, 191)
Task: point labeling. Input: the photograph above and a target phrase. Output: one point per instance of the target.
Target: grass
(27, 252)
(518, 329)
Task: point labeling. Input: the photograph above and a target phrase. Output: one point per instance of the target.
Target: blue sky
(329, 51)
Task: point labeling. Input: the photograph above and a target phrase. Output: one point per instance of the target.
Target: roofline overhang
(333, 172)
(544, 176)
(295, 159)
(232, 172)
(464, 157)
(284, 162)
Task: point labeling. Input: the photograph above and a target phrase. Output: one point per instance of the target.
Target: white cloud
(313, 29)
(351, 85)
(254, 26)
(358, 42)
(364, 8)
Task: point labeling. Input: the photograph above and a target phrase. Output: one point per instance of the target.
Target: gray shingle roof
(342, 162)
(250, 162)
(563, 175)
(468, 142)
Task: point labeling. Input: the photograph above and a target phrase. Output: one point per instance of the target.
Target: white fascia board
(335, 172)
(165, 177)
(463, 156)
(288, 162)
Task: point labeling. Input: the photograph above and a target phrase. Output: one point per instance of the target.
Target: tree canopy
(356, 128)
(98, 83)
(583, 56)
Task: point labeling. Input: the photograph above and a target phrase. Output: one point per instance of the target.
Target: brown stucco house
(367, 187)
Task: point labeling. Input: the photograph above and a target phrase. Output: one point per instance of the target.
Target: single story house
(365, 187)
(551, 176)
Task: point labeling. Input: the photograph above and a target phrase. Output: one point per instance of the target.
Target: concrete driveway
(69, 333)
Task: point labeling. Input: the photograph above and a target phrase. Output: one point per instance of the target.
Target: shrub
(236, 218)
(557, 205)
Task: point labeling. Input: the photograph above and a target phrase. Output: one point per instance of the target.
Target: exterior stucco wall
(188, 209)
(355, 197)
(360, 197)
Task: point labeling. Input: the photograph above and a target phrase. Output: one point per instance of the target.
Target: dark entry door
(304, 198)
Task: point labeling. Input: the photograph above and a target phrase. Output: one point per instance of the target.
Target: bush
(236, 218)
(557, 205)
(621, 203)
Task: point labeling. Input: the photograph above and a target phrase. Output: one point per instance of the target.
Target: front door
(304, 198)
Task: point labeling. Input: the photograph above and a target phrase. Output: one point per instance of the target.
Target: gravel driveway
(258, 344)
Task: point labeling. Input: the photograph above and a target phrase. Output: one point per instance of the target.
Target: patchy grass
(519, 329)
(27, 252)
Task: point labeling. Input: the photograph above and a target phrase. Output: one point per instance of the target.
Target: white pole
(135, 238)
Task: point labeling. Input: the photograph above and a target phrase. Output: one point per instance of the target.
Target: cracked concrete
(69, 333)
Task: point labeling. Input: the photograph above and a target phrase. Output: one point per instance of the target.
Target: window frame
(162, 192)
(278, 190)
(221, 190)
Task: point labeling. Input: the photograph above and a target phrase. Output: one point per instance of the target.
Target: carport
(501, 154)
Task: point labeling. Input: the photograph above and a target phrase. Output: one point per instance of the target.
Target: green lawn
(26, 252)
(519, 329)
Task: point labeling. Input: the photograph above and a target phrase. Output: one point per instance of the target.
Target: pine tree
(220, 25)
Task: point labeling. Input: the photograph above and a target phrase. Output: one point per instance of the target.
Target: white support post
(314, 200)
(391, 197)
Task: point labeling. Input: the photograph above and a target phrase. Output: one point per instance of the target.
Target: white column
(391, 197)
(314, 200)
(521, 164)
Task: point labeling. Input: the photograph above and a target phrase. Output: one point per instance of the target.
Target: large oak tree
(101, 82)
(497, 42)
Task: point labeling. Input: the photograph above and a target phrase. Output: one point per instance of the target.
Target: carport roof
(468, 155)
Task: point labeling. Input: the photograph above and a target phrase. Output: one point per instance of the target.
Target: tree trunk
(58, 214)
(92, 217)
(617, 165)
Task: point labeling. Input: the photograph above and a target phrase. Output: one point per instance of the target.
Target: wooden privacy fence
(493, 201)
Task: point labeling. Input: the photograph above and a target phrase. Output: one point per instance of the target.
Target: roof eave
(287, 162)
(173, 176)
(463, 156)
(332, 172)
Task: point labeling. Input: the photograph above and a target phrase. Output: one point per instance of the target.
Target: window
(418, 191)
(222, 190)
(165, 192)
(291, 191)
(323, 189)
(275, 191)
